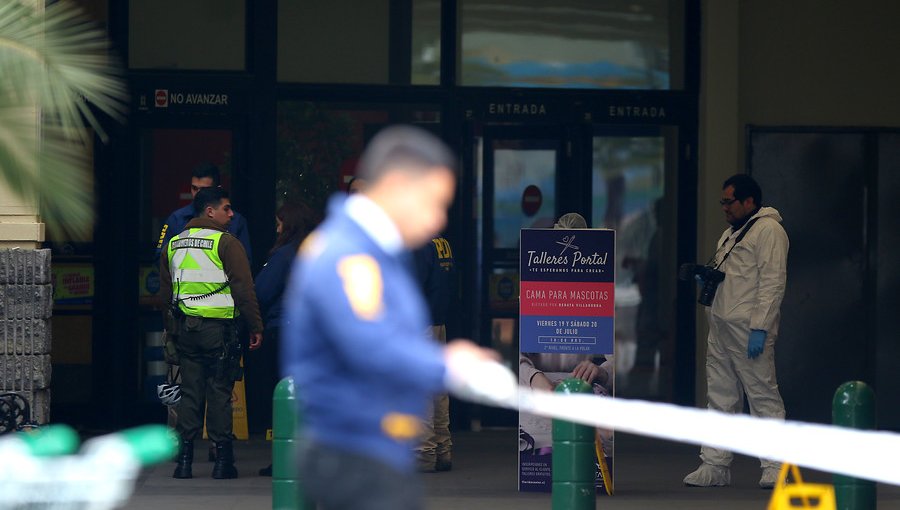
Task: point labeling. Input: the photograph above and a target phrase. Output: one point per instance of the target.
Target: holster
(172, 324)
(170, 352)
(173, 319)
(229, 365)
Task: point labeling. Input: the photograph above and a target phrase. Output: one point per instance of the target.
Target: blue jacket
(271, 281)
(176, 222)
(355, 343)
(435, 270)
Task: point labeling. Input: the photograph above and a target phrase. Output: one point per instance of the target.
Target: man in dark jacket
(436, 273)
(204, 176)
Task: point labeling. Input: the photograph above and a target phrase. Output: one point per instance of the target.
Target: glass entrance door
(633, 176)
(619, 177)
(517, 175)
(623, 178)
(517, 189)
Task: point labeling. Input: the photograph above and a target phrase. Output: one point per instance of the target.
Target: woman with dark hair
(293, 221)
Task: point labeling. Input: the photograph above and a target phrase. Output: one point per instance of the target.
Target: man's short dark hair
(208, 197)
(745, 187)
(409, 147)
(207, 170)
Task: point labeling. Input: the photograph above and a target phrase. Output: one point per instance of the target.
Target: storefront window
(426, 42)
(319, 144)
(571, 44)
(195, 35)
(168, 157)
(95, 9)
(347, 41)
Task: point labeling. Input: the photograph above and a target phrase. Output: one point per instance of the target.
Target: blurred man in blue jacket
(355, 341)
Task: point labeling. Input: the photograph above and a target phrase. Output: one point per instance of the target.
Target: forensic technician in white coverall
(743, 322)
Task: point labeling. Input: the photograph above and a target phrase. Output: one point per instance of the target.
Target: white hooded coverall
(749, 298)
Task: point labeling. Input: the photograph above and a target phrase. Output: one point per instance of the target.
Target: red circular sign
(161, 97)
(531, 200)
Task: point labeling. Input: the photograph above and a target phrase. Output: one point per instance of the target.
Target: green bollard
(287, 494)
(574, 461)
(853, 406)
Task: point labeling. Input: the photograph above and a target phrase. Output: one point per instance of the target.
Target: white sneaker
(769, 477)
(708, 475)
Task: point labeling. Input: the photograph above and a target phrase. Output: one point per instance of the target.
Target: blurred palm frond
(56, 75)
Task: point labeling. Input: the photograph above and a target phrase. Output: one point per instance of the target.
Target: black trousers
(339, 480)
(262, 369)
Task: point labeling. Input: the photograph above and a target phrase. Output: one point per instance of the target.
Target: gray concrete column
(26, 304)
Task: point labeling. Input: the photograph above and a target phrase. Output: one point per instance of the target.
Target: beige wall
(719, 137)
(786, 63)
(820, 62)
(20, 226)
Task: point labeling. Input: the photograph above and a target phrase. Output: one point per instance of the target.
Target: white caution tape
(863, 454)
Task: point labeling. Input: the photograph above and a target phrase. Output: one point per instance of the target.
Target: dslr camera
(709, 276)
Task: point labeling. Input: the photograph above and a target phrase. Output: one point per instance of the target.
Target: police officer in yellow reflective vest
(206, 277)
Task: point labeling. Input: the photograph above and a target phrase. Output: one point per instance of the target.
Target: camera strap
(739, 238)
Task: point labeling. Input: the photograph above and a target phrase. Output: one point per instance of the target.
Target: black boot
(185, 459)
(224, 467)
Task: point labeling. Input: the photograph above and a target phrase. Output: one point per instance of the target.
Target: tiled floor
(648, 475)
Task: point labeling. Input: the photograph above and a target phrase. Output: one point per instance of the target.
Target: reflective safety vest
(199, 283)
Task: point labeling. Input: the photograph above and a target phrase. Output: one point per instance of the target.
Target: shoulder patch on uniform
(363, 285)
(401, 427)
(162, 236)
(311, 246)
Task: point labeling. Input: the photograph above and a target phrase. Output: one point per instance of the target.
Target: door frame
(118, 343)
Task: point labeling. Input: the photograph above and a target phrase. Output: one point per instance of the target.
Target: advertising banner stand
(566, 317)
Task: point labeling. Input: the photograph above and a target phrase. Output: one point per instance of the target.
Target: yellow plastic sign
(787, 496)
(239, 409)
(604, 467)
